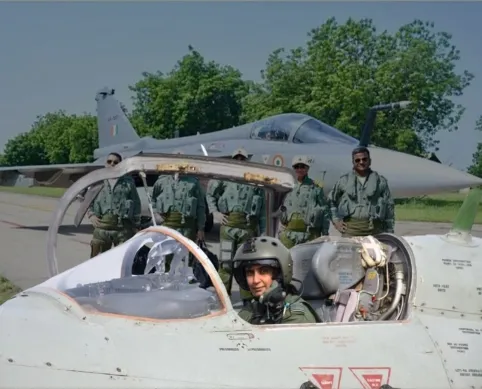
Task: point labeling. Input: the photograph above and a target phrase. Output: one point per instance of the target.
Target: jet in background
(274, 140)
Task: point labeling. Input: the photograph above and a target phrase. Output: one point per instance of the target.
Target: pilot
(241, 212)
(360, 201)
(265, 267)
(116, 211)
(304, 215)
(179, 200)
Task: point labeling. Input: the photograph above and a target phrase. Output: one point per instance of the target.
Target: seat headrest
(326, 266)
(338, 266)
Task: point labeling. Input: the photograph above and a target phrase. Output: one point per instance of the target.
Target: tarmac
(24, 221)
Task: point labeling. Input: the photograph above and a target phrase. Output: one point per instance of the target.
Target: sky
(56, 55)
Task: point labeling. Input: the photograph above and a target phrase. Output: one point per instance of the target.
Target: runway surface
(24, 222)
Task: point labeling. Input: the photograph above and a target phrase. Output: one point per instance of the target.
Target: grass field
(436, 208)
(7, 289)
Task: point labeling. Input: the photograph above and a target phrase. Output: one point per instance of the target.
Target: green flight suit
(245, 208)
(118, 207)
(297, 311)
(181, 204)
(363, 203)
(306, 216)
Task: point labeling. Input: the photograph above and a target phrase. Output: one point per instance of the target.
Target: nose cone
(408, 175)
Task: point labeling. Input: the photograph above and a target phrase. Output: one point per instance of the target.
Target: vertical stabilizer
(112, 123)
(464, 221)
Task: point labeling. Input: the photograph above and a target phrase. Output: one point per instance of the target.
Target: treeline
(341, 71)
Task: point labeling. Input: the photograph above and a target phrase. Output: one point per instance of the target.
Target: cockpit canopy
(298, 128)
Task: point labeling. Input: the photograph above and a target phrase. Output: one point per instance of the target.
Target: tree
(195, 96)
(25, 149)
(347, 68)
(476, 167)
(55, 138)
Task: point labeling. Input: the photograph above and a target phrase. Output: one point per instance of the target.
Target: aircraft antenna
(371, 116)
(149, 199)
(464, 221)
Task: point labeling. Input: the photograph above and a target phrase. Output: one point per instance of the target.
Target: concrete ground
(24, 222)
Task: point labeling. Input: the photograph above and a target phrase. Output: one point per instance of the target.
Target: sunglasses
(358, 160)
(112, 161)
(299, 167)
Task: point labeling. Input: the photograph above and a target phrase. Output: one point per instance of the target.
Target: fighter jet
(410, 319)
(273, 141)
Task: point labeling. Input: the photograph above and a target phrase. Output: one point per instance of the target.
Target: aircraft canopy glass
(314, 131)
(132, 280)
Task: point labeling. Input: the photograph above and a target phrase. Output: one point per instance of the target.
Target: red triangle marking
(326, 381)
(373, 380)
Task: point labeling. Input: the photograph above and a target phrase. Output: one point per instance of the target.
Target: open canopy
(277, 181)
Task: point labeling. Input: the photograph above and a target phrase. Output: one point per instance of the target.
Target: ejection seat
(331, 272)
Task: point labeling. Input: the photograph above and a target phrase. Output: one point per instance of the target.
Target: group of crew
(359, 204)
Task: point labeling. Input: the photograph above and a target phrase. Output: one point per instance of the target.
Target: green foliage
(341, 71)
(195, 96)
(54, 138)
(476, 167)
(345, 69)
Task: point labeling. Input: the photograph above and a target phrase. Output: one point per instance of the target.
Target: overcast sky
(57, 55)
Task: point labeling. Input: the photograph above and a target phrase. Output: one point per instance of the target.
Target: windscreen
(314, 131)
(155, 279)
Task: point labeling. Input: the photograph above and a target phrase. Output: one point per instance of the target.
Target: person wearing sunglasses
(304, 215)
(115, 212)
(241, 212)
(361, 203)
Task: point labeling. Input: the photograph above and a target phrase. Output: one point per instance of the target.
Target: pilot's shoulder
(246, 314)
(297, 306)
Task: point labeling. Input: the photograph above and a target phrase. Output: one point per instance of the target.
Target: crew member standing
(115, 213)
(241, 211)
(304, 215)
(179, 200)
(360, 201)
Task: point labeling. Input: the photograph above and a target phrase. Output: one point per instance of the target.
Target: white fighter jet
(411, 320)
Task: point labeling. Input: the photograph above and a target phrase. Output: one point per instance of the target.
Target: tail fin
(112, 123)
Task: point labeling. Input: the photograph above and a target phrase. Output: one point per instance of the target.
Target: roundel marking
(278, 160)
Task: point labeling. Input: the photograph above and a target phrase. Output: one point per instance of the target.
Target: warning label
(325, 380)
(324, 377)
(372, 377)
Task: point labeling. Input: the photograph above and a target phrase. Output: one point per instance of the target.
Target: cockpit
(298, 128)
(132, 279)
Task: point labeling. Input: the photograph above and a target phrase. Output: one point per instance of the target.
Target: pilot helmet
(303, 159)
(241, 151)
(267, 251)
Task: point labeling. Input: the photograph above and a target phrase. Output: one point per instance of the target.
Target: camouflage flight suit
(118, 208)
(245, 208)
(363, 203)
(181, 204)
(306, 216)
(297, 311)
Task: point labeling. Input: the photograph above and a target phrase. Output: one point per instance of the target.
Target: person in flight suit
(179, 200)
(115, 213)
(264, 266)
(304, 215)
(241, 211)
(360, 201)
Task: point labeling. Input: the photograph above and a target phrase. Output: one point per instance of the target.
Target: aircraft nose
(408, 175)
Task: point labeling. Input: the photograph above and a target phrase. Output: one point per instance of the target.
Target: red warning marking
(372, 377)
(324, 377)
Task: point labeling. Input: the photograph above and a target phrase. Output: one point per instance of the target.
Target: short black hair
(117, 155)
(360, 149)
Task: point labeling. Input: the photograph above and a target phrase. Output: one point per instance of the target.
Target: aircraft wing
(60, 176)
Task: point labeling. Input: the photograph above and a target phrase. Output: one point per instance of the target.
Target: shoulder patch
(318, 183)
